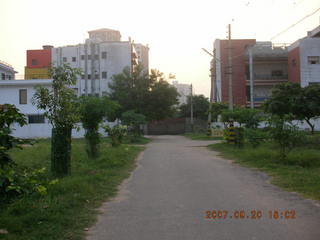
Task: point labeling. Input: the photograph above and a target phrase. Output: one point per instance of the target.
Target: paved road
(177, 180)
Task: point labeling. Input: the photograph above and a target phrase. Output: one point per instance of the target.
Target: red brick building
(269, 68)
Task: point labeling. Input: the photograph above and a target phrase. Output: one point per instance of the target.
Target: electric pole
(229, 72)
(251, 77)
(191, 108)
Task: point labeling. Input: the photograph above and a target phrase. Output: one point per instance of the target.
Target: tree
(9, 115)
(62, 110)
(283, 99)
(133, 120)
(216, 110)
(292, 102)
(307, 105)
(92, 112)
(200, 107)
(150, 95)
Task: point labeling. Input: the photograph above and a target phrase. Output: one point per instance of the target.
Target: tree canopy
(150, 95)
(200, 107)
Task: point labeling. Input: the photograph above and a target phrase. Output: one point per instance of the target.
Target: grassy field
(70, 205)
(301, 174)
(201, 136)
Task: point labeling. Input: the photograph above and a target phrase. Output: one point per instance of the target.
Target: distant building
(304, 59)
(269, 68)
(143, 55)
(100, 57)
(6, 71)
(184, 91)
(38, 63)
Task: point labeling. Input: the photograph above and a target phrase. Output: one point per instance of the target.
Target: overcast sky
(175, 30)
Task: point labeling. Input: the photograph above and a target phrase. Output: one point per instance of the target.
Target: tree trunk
(61, 151)
(311, 125)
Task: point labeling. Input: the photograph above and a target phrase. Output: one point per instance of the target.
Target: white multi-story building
(101, 56)
(304, 59)
(6, 71)
(184, 91)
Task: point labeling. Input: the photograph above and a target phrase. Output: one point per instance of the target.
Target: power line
(309, 15)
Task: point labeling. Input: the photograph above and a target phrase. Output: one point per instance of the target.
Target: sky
(175, 30)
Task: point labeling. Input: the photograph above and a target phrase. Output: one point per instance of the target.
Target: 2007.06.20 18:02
(250, 214)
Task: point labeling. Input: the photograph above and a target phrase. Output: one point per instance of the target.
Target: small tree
(62, 109)
(133, 120)
(9, 115)
(216, 110)
(286, 135)
(92, 112)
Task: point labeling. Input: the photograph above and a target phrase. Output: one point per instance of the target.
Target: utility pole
(191, 108)
(230, 68)
(251, 77)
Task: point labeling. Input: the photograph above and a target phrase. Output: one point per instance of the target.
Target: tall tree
(150, 95)
(200, 107)
(62, 109)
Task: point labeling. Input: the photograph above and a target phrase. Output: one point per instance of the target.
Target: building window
(82, 57)
(104, 75)
(89, 57)
(89, 76)
(104, 55)
(34, 62)
(313, 59)
(74, 59)
(3, 76)
(9, 77)
(96, 57)
(82, 76)
(293, 62)
(276, 73)
(96, 76)
(64, 59)
(22, 96)
(35, 118)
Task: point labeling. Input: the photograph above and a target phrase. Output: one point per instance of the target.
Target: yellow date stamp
(254, 214)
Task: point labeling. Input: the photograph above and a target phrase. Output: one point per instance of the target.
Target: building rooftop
(103, 30)
(26, 82)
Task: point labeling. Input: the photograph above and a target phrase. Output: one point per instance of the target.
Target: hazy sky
(175, 30)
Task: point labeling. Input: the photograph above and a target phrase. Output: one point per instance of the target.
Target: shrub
(116, 134)
(255, 136)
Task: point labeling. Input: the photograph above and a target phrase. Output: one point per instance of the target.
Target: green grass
(201, 136)
(70, 205)
(300, 174)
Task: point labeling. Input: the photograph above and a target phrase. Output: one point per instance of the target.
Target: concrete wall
(310, 73)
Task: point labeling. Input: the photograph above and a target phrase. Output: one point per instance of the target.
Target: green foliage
(116, 134)
(60, 103)
(200, 107)
(289, 99)
(9, 115)
(256, 136)
(92, 112)
(15, 181)
(216, 110)
(133, 121)
(249, 117)
(150, 95)
(62, 109)
(286, 135)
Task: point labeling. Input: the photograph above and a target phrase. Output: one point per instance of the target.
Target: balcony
(267, 79)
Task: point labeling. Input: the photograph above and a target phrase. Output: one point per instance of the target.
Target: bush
(116, 134)
(255, 136)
